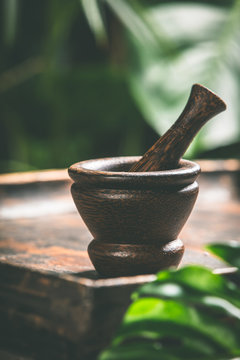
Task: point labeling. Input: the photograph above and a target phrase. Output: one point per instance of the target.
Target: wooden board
(52, 302)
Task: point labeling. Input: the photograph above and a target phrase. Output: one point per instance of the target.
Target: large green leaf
(194, 281)
(169, 317)
(189, 313)
(179, 330)
(174, 45)
(229, 252)
(152, 350)
(205, 42)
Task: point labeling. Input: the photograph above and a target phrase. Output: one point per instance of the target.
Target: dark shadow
(89, 274)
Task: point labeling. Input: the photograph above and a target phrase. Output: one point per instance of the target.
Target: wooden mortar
(135, 218)
(136, 207)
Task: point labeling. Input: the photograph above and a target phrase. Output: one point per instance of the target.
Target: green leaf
(156, 318)
(178, 338)
(205, 42)
(10, 10)
(126, 12)
(94, 16)
(189, 313)
(133, 352)
(191, 281)
(190, 296)
(229, 252)
(143, 350)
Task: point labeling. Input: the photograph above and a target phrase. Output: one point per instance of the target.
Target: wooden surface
(53, 305)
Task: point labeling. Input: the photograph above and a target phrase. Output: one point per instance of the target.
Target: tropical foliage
(191, 313)
(89, 78)
(172, 45)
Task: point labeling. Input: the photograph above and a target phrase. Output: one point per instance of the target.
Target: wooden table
(53, 305)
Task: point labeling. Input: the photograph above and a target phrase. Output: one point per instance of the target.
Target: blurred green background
(82, 79)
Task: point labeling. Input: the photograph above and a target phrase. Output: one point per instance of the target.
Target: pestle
(165, 154)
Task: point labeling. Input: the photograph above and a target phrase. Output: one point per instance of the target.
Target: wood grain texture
(133, 217)
(53, 305)
(202, 105)
(58, 317)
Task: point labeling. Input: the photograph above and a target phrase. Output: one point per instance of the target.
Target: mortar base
(113, 260)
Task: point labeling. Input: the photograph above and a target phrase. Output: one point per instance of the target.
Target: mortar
(135, 207)
(134, 217)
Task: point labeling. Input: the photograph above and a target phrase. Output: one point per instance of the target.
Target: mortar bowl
(134, 217)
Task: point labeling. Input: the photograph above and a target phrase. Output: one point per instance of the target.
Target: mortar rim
(87, 172)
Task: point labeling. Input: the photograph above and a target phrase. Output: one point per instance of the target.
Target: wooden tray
(53, 305)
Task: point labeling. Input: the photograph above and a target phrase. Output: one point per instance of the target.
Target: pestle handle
(165, 154)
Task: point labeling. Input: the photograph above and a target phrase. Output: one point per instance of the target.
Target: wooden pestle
(165, 154)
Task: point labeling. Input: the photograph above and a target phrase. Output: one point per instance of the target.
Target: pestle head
(202, 105)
